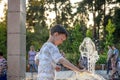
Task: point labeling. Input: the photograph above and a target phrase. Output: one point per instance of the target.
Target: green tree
(110, 28)
(37, 29)
(89, 33)
(116, 21)
(3, 38)
(63, 12)
(3, 32)
(37, 21)
(71, 46)
(98, 9)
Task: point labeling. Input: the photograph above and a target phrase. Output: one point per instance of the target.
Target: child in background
(3, 67)
(31, 57)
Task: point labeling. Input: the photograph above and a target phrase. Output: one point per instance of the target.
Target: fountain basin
(70, 75)
(88, 76)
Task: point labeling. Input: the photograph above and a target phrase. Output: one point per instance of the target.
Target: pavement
(65, 75)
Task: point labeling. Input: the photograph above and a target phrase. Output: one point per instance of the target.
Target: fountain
(88, 50)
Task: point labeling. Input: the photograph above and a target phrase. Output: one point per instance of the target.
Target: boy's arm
(69, 65)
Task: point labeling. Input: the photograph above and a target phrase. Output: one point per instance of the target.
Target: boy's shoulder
(49, 44)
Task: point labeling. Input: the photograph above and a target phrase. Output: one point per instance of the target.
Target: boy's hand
(87, 71)
(57, 68)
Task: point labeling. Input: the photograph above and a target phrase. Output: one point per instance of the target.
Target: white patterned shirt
(48, 56)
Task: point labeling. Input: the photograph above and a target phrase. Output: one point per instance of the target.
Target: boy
(49, 54)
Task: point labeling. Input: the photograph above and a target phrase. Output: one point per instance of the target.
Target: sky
(5, 1)
(52, 14)
(2, 7)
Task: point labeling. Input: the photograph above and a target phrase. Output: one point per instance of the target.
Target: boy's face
(59, 38)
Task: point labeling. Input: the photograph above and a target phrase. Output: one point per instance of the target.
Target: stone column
(16, 39)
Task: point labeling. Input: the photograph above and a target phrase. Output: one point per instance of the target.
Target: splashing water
(88, 76)
(88, 50)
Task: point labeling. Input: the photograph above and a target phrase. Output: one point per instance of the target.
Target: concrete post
(16, 39)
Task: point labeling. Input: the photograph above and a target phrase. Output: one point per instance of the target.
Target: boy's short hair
(58, 28)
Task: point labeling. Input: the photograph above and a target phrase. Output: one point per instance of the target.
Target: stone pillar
(16, 39)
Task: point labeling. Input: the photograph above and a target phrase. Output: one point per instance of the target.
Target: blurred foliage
(75, 22)
(37, 20)
(3, 38)
(102, 59)
(37, 29)
(3, 32)
(71, 46)
(89, 33)
(116, 21)
(110, 28)
(36, 38)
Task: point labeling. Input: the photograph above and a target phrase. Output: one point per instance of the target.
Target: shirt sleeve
(37, 56)
(55, 54)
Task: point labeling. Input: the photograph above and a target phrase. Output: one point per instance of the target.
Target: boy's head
(59, 34)
(59, 29)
